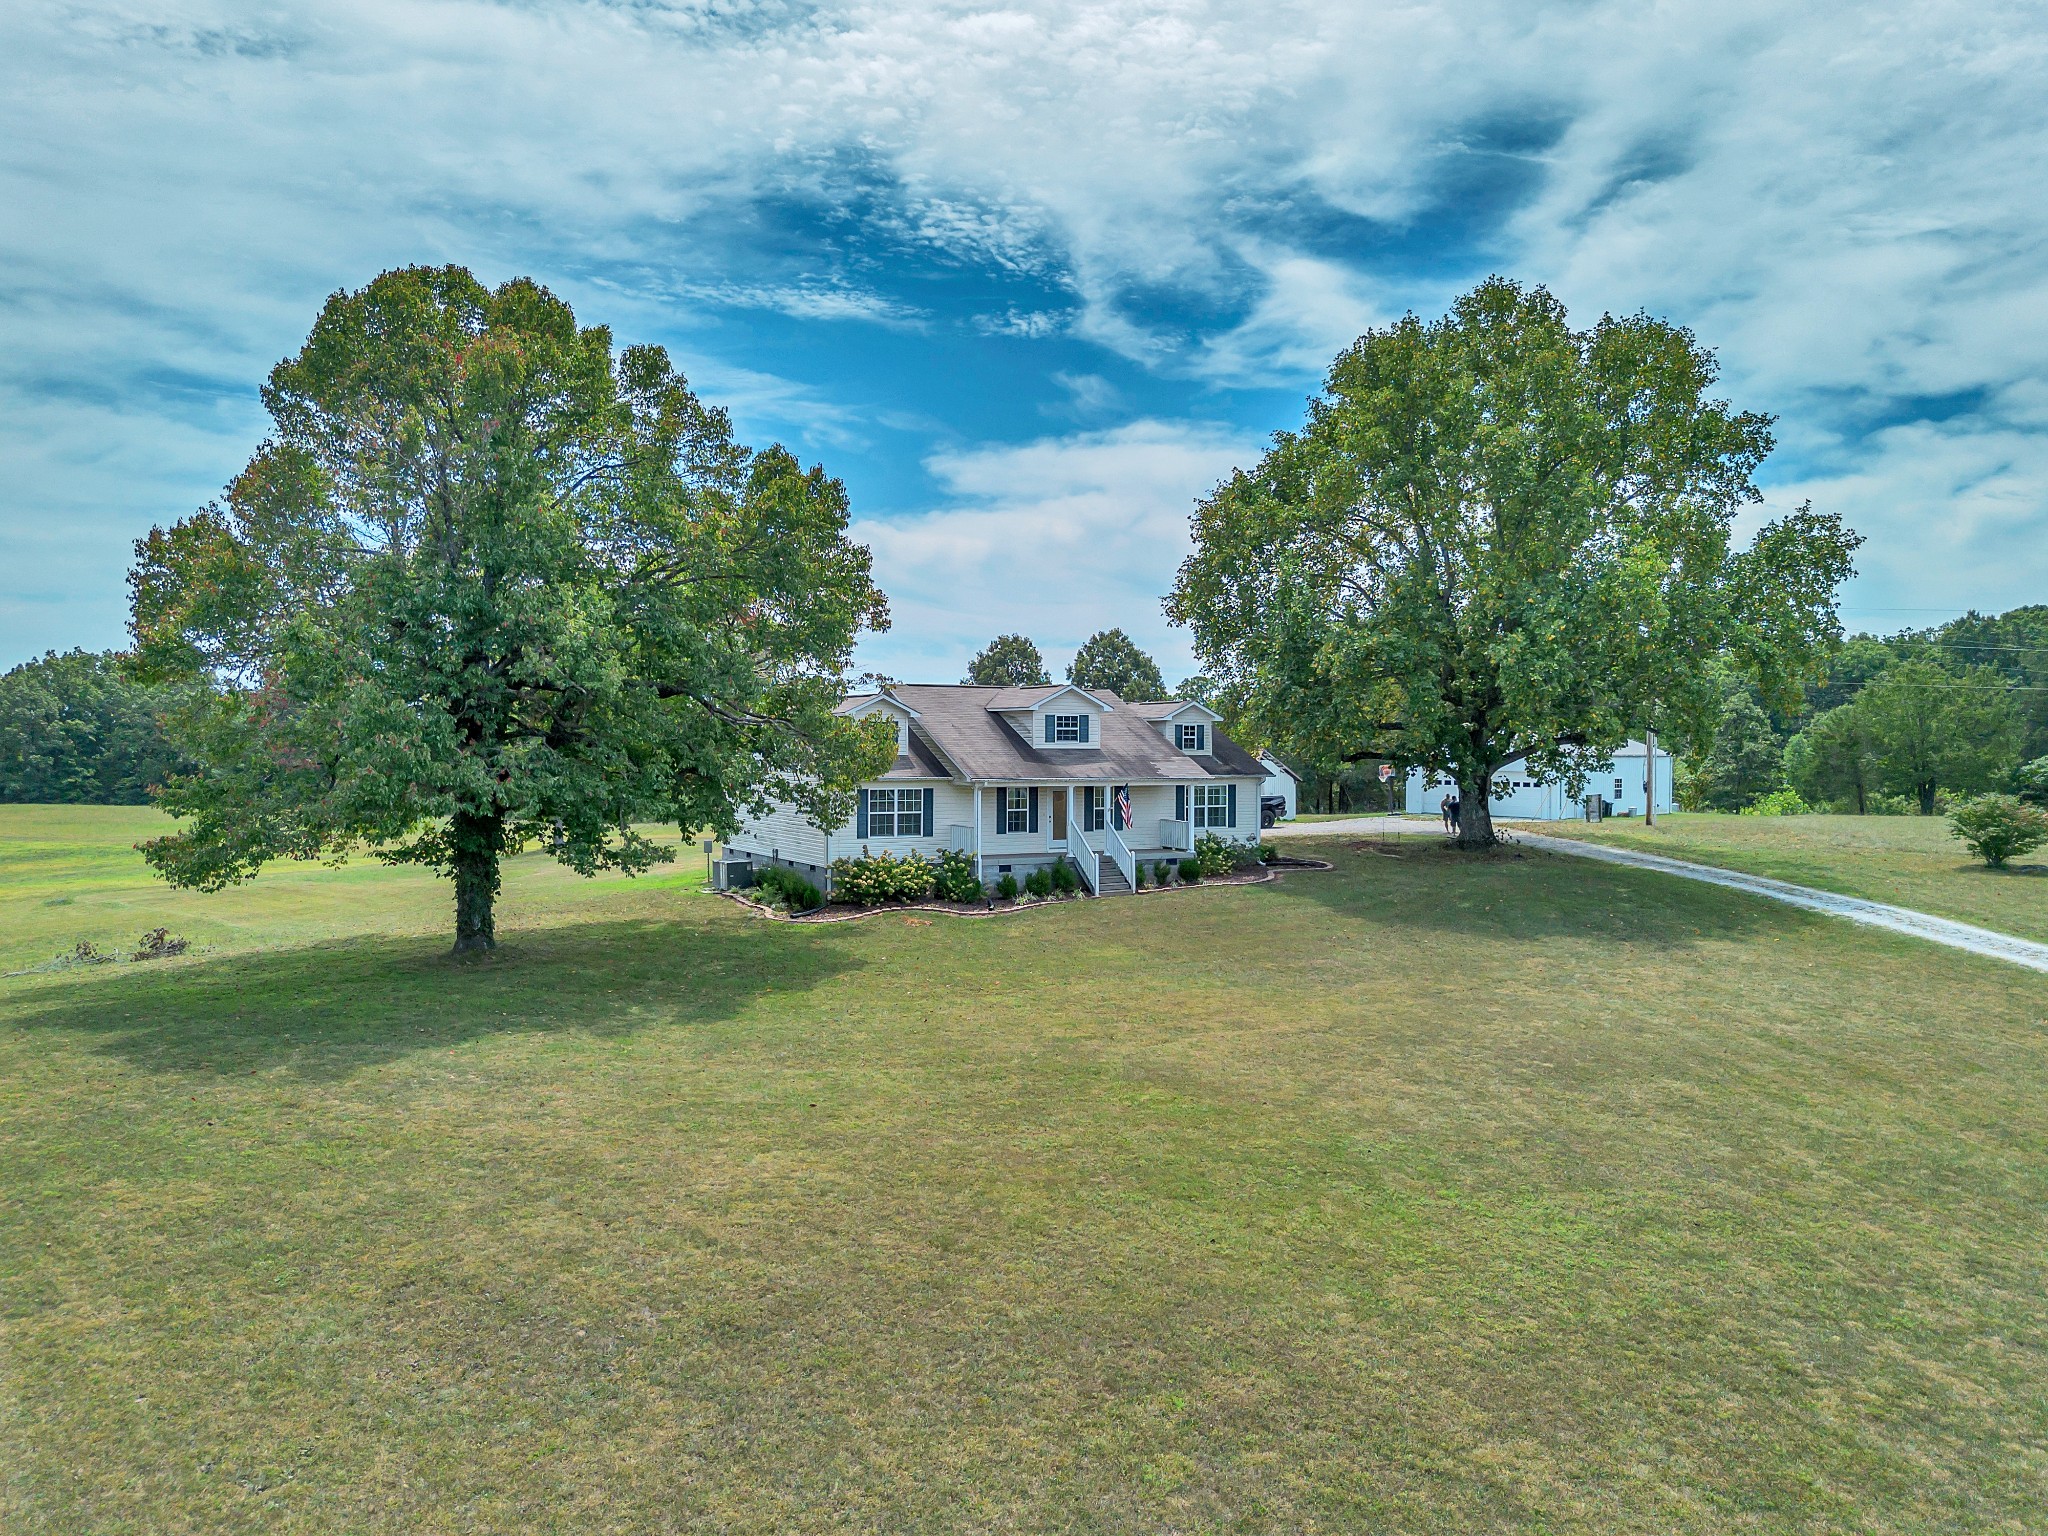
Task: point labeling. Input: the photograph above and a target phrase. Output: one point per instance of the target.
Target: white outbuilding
(1281, 781)
(1519, 796)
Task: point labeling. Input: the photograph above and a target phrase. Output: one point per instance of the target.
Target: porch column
(977, 831)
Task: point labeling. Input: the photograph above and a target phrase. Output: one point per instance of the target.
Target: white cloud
(1055, 539)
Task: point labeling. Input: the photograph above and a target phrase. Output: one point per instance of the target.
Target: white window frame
(1066, 730)
(1015, 809)
(1209, 805)
(904, 805)
(1192, 736)
(1094, 808)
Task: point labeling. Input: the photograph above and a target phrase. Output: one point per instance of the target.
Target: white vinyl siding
(782, 832)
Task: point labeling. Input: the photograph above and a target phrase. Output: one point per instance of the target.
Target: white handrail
(1177, 834)
(1125, 863)
(1091, 869)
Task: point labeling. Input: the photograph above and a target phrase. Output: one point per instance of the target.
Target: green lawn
(1432, 1194)
(1910, 861)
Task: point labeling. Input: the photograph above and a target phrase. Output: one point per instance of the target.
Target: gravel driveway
(1876, 914)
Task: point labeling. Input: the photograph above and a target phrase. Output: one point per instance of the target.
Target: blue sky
(1032, 277)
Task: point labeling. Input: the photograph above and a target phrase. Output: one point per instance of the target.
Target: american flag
(1123, 805)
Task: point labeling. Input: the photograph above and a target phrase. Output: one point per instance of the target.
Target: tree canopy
(1111, 659)
(1934, 728)
(489, 581)
(76, 728)
(1498, 537)
(1008, 661)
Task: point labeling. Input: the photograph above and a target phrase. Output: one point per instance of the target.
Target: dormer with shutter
(1055, 718)
(1188, 726)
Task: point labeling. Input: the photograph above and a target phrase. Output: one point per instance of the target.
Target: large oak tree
(1496, 536)
(491, 581)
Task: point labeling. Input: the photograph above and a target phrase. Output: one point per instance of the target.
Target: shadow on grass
(326, 1011)
(1528, 895)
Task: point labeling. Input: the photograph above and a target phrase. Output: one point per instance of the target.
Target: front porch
(1018, 828)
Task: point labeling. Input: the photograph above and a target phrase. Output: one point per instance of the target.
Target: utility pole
(1649, 776)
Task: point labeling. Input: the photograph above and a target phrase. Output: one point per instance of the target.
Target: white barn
(1527, 798)
(1282, 781)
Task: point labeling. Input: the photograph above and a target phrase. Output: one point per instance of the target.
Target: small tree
(1111, 659)
(1834, 761)
(1497, 537)
(1008, 661)
(1746, 761)
(1998, 827)
(2030, 781)
(1935, 728)
(489, 582)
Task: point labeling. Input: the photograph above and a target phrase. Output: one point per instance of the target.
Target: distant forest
(74, 729)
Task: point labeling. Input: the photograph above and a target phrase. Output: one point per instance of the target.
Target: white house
(1520, 796)
(1021, 777)
(1282, 782)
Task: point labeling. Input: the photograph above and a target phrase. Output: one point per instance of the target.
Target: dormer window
(1066, 730)
(1192, 738)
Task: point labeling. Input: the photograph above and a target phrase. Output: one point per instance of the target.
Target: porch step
(1111, 881)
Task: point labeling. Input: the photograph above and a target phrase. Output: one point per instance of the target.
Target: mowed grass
(1910, 861)
(1432, 1194)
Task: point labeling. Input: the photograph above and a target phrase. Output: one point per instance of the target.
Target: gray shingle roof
(959, 728)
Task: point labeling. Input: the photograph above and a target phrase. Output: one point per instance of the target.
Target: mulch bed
(844, 914)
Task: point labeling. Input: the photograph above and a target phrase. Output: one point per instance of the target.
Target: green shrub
(1138, 875)
(1066, 879)
(954, 879)
(786, 888)
(1039, 883)
(1007, 886)
(1220, 856)
(1996, 827)
(1882, 804)
(1779, 802)
(1162, 873)
(1190, 871)
(873, 879)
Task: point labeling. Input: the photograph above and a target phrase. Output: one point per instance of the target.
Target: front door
(1059, 818)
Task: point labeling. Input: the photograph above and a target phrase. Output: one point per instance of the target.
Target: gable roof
(962, 727)
(1031, 698)
(1166, 709)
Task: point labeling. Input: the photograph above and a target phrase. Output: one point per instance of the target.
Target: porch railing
(959, 839)
(1120, 855)
(1177, 834)
(1089, 862)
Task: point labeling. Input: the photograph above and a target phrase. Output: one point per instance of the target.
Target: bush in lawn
(1066, 880)
(2030, 781)
(1007, 886)
(1138, 876)
(875, 878)
(787, 888)
(954, 878)
(1882, 804)
(1996, 827)
(1038, 883)
(1779, 802)
(1190, 871)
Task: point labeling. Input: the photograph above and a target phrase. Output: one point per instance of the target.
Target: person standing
(1443, 809)
(1456, 805)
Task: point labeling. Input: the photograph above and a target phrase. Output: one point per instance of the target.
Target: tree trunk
(1475, 816)
(1927, 798)
(476, 840)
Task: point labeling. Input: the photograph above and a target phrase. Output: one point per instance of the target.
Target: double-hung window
(1066, 728)
(1016, 810)
(1193, 738)
(895, 813)
(1094, 808)
(1212, 805)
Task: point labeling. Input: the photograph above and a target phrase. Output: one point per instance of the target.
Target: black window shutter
(1031, 813)
(860, 828)
(1180, 802)
(929, 796)
(1084, 725)
(1201, 738)
(1048, 727)
(1233, 805)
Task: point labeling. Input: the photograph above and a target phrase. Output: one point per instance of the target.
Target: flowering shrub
(954, 879)
(1219, 855)
(1779, 802)
(873, 879)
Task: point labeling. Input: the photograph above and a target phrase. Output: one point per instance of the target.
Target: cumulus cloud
(1055, 538)
(1839, 197)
